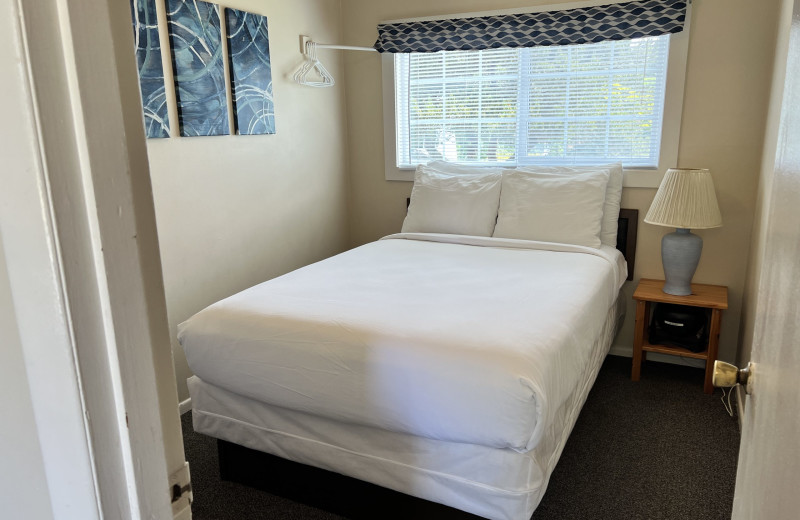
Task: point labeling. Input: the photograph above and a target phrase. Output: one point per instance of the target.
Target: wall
(725, 105)
(23, 484)
(233, 211)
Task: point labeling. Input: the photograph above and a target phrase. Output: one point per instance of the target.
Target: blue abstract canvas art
(194, 32)
(251, 74)
(151, 72)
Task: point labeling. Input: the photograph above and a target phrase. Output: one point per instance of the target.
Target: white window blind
(572, 104)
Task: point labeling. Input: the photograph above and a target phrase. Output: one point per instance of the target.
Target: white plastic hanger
(312, 68)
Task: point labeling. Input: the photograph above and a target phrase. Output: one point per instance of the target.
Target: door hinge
(180, 489)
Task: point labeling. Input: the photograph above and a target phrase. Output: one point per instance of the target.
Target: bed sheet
(500, 484)
(461, 339)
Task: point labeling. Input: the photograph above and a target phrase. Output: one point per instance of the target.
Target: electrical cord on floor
(727, 405)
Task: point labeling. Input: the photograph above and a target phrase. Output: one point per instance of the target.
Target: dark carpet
(656, 449)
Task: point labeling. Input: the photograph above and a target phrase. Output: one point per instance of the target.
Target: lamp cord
(727, 405)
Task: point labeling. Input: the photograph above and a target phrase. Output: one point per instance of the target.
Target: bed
(446, 366)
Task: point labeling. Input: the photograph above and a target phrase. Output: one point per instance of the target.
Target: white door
(768, 478)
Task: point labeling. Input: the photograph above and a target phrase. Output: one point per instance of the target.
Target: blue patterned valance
(583, 25)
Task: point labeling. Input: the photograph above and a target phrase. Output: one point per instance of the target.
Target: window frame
(633, 178)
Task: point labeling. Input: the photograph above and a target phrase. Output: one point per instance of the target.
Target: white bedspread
(464, 339)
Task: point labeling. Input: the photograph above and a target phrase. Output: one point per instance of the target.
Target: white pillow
(448, 167)
(608, 228)
(552, 208)
(459, 204)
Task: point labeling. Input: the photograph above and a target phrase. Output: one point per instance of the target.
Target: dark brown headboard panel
(627, 226)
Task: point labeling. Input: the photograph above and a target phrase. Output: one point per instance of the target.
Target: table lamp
(685, 200)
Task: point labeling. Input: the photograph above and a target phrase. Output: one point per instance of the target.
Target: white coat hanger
(312, 68)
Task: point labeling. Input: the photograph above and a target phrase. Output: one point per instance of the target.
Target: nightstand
(713, 297)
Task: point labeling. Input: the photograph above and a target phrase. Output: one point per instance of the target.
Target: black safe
(680, 326)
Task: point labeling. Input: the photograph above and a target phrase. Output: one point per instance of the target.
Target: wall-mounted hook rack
(312, 67)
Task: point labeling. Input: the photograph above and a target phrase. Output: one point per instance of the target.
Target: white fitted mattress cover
(496, 483)
(464, 339)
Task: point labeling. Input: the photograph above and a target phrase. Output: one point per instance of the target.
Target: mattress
(461, 339)
(496, 483)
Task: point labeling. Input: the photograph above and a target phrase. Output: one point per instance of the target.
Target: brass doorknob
(727, 375)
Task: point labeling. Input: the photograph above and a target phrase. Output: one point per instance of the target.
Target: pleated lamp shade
(685, 199)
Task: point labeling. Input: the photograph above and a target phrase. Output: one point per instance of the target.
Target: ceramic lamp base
(680, 254)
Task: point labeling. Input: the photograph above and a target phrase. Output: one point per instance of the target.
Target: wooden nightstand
(714, 297)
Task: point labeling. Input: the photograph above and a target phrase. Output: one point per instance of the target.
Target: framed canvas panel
(151, 71)
(251, 74)
(200, 91)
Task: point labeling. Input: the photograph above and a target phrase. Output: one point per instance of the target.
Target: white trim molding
(185, 406)
(79, 235)
(33, 261)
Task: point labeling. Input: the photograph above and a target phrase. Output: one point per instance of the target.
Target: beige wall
(725, 105)
(233, 211)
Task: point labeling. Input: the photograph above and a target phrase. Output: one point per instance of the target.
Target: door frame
(79, 233)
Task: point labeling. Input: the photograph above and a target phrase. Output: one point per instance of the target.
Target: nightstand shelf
(712, 297)
(674, 351)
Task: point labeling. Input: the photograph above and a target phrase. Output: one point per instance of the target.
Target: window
(573, 104)
(565, 104)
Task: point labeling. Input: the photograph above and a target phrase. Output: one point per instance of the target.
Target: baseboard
(185, 514)
(185, 406)
(621, 350)
(740, 405)
(627, 351)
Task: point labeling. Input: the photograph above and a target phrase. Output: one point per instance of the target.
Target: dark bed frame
(627, 229)
(322, 489)
(350, 497)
